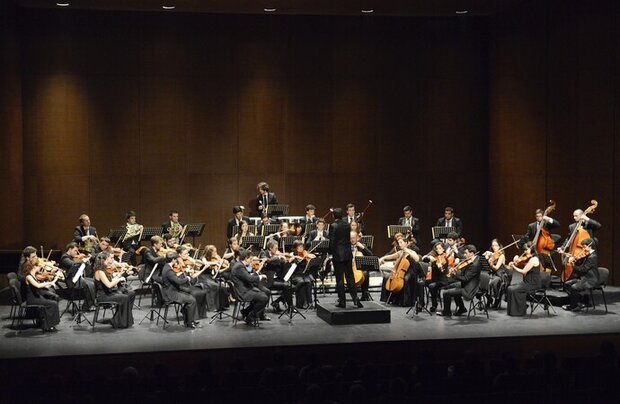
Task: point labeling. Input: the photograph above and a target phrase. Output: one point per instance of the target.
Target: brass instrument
(175, 230)
(133, 230)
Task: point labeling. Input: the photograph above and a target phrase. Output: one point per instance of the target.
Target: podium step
(372, 313)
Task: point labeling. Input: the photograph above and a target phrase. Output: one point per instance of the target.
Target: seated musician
(437, 276)
(49, 316)
(285, 231)
(176, 289)
(302, 279)
(528, 264)
(411, 291)
(357, 248)
(169, 241)
(453, 246)
(468, 277)
(356, 226)
(131, 239)
(549, 224)
(232, 252)
(105, 244)
(247, 283)
(238, 217)
(409, 220)
(29, 255)
(264, 221)
(187, 268)
(449, 220)
(589, 224)
(85, 235)
(264, 197)
(275, 267)
(499, 273)
(317, 234)
(310, 216)
(586, 269)
(244, 230)
(109, 288)
(72, 262)
(173, 226)
(154, 259)
(217, 295)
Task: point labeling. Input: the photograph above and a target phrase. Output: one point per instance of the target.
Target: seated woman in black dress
(528, 265)
(109, 288)
(302, 279)
(50, 317)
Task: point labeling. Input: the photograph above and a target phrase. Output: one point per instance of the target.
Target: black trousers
(342, 270)
(453, 291)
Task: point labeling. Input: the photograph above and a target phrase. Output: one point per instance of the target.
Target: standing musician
(71, 261)
(85, 235)
(49, 315)
(131, 239)
(173, 226)
(247, 282)
(499, 273)
(532, 228)
(244, 230)
(359, 249)
(586, 268)
(264, 197)
(528, 264)
(152, 257)
(29, 255)
(353, 217)
(589, 224)
(217, 295)
(176, 289)
(409, 220)
(186, 268)
(109, 288)
(437, 277)
(411, 291)
(449, 220)
(238, 217)
(302, 280)
(468, 277)
(310, 216)
(275, 267)
(340, 249)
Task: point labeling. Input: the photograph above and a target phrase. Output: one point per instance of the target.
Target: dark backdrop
(153, 111)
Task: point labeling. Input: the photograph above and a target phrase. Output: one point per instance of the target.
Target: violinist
(410, 292)
(355, 226)
(29, 255)
(104, 244)
(154, 260)
(185, 268)
(244, 230)
(264, 197)
(246, 282)
(437, 278)
(359, 249)
(449, 220)
(85, 235)
(527, 264)
(73, 262)
(169, 241)
(232, 252)
(302, 280)
(586, 269)
(275, 268)
(217, 295)
(176, 289)
(340, 249)
(468, 279)
(49, 316)
(499, 273)
(238, 217)
(589, 224)
(453, 246)
(110, 288)
(409, 220)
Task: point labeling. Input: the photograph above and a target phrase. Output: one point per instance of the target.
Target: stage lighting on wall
(62, 4)
(269, 9)
(462, 11)
(168, 7)
(367, 11)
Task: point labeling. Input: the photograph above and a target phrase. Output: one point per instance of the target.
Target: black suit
(340, 249)
(532, 228)
(176, 289)
(247, 284)
(80, 232)
(591, 226)
(150, 259)
(268, 199)
(232, 223)
(275, 270)
(166, 225)
(588, 277)
(469, 280)
(456, 223)
(87, 284)
(313, 235)
(415, 226)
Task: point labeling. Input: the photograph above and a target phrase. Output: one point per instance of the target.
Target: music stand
(117, 234)
(286, 243)
(149, 232)
(442, 232)
(396, 228)
(255, 241)
(368, 241)
(269, 229)
(367, 263)
(255, 220)
(277, 210)
(290, 219)
(252, 228)
(319, 247)
(312, 226)
(194, 230)
(291, 310)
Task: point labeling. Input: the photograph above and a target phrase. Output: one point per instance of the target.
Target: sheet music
(79, 273)
(148, 279)
(290, 272)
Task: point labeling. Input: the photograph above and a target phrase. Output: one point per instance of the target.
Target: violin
(163, 251)
(258, 263)
(522, 260)
(461, 265)
(81, 257)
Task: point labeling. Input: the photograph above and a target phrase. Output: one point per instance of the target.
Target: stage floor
(148, 337)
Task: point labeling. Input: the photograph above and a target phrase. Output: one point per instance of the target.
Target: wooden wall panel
(106, 209)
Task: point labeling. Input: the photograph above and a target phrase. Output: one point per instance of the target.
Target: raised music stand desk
(194, 230)
(149, 232)
(277, 210)
(396, 228)
(256, 242)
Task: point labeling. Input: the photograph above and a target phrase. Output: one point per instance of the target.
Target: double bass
(575, 248)
(543, 242)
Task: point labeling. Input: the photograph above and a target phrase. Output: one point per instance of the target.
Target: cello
(543, 242)
(396, 282)
(575, 248)
(358, 275)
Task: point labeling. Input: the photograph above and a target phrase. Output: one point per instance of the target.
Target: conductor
(342, 258)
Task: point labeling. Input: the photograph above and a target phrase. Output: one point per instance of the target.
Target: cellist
(407, 295)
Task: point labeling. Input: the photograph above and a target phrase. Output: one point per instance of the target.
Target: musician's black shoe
(342, 305)
(444, 314)
(250, 320)
(265, 318)
(245, 312)
(276, 307)
(568, 307)
(433, 309)
(365, 297)
(358, 304)
(460, 311)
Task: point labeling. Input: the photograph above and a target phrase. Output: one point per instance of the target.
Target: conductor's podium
(371, 313)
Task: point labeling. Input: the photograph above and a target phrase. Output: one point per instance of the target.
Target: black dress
(516, 295)
(216, 295)
(50, 316)
(123, 318)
